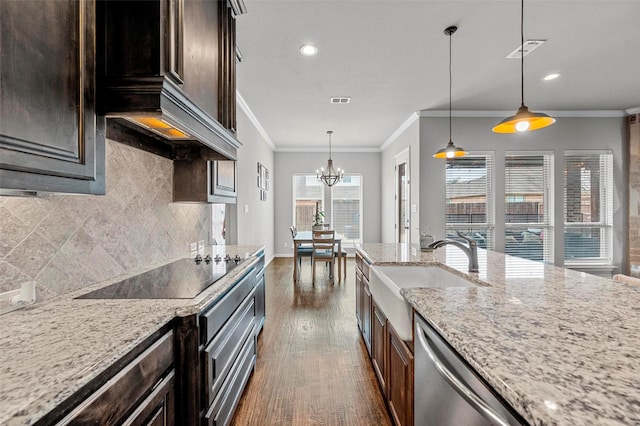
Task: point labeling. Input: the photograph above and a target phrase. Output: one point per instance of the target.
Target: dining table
(306, 237)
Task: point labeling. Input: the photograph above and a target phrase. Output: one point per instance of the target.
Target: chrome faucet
(471, 250)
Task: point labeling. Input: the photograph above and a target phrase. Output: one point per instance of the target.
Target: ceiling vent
(340, 100)
(528, 47)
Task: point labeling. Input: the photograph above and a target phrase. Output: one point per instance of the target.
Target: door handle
(474, 400)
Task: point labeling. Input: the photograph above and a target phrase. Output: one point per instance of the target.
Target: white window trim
(491, 197)
(549, 198)
(361, 230)
(606, 206)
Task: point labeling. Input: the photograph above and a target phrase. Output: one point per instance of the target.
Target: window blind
(469, 198)
(307, 190)
(528, 206)
(346, 209)
(588, 208)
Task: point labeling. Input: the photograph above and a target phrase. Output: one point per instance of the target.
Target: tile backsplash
(65, 242)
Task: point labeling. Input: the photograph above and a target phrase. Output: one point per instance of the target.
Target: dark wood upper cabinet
(227, 70)
(205, 181)
(50, 138)
(168, 67)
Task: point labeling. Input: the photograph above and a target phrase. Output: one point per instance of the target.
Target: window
(588, 208)
(528, 206)
(469, 198)
(307, 190)
(346, 209)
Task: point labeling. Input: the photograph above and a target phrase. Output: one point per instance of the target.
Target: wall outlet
(414, 208)
(193, 248)
(414, 252)
(201, 247)
(246, 208)
(286, 245)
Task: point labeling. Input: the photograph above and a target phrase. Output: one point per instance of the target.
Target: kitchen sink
(385, 283)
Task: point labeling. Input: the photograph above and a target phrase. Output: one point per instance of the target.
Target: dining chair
(303, 249)
(341, 254)
(323, 250)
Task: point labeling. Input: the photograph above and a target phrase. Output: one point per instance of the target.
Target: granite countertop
(562, 347)
(50, 350)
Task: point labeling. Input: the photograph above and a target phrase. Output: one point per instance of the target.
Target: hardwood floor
(312, 366)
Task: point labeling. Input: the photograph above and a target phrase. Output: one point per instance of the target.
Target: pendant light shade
(331, 175)
(524, 120)
(450, 151)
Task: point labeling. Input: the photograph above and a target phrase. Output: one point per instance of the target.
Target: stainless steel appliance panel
(447, 391)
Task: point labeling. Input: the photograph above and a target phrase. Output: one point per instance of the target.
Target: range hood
(160, 110)
(166, 72)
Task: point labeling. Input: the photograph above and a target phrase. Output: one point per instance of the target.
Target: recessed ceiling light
(551, 76)
(308, 50)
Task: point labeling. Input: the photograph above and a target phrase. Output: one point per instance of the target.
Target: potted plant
(318, 218)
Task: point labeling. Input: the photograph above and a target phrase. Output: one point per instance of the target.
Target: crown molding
(493, 114)
(632, 111)
(325, 150)
(400, 130)
(254, 120)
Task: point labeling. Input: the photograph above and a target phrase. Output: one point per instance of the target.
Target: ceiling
(391, 58)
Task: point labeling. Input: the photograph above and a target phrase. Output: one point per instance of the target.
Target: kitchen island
(54, 349)
(560, 346)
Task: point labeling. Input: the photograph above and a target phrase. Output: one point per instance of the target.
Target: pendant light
(450, 151)
(524, 120)
(331, 176)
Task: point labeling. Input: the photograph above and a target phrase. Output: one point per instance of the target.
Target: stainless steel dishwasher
(447, 391)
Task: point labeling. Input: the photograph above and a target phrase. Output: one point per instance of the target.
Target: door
(403, 215)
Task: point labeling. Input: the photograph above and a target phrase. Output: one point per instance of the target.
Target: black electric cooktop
(182, 279)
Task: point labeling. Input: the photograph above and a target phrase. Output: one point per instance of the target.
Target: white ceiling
(391, 58)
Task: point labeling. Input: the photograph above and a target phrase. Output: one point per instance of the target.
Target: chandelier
(330, 176)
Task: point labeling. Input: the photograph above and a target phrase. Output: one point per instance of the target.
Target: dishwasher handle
(476, 402)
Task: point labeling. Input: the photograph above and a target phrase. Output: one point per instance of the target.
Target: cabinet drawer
(359, 261)
(362, 265)
(158, 407)
(211, 321)
(220, 354)
(109, 404)
(224, 406)
(365, 269)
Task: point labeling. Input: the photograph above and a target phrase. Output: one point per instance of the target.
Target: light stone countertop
(562, 347)
(51, 350)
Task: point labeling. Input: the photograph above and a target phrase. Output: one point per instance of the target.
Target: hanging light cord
(522, 52)
(329, 143)
(450, 138)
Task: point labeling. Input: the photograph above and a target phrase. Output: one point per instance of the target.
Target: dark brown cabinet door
(205, 181)
(227, 69)
(208, 55)
(379, 345)
(399, 379)
(50, 139)
(144, 387)
(365, 310)
(158, 408)
(358, 298)
(224, 181)
(202, 60)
